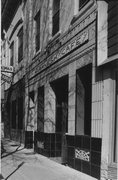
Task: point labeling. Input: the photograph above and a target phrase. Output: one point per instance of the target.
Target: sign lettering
(89, 19)
(80, 40)
(7, 69)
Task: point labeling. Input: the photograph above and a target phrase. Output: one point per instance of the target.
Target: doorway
(83, 100)
(60, 87)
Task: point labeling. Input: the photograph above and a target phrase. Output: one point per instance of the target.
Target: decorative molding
(82, 154)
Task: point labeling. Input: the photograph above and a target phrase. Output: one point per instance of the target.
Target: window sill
(55, 37)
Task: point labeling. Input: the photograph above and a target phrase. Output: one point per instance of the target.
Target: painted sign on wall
(73, 44)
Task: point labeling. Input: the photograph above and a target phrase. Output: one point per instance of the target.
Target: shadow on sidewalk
(8, 154)
(14, 170)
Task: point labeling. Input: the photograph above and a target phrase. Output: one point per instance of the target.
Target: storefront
(14, 111)
(59, 90)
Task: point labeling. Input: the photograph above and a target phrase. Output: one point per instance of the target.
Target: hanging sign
(9, 69)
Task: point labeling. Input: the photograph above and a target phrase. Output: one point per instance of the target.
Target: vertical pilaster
(71, 98)
(35, 106)
(106, 125)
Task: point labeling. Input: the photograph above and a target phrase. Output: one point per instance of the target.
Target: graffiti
(81, 154)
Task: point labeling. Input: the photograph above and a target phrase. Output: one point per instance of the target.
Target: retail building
(63, 97)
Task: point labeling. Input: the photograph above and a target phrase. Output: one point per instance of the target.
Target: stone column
(49, 109)
(71, 98)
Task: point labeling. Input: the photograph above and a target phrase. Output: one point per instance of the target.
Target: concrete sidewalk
(19, 163)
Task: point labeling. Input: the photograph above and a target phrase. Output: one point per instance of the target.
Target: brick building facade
(63, 97)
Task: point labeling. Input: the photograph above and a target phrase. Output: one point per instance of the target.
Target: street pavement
(18, 163)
